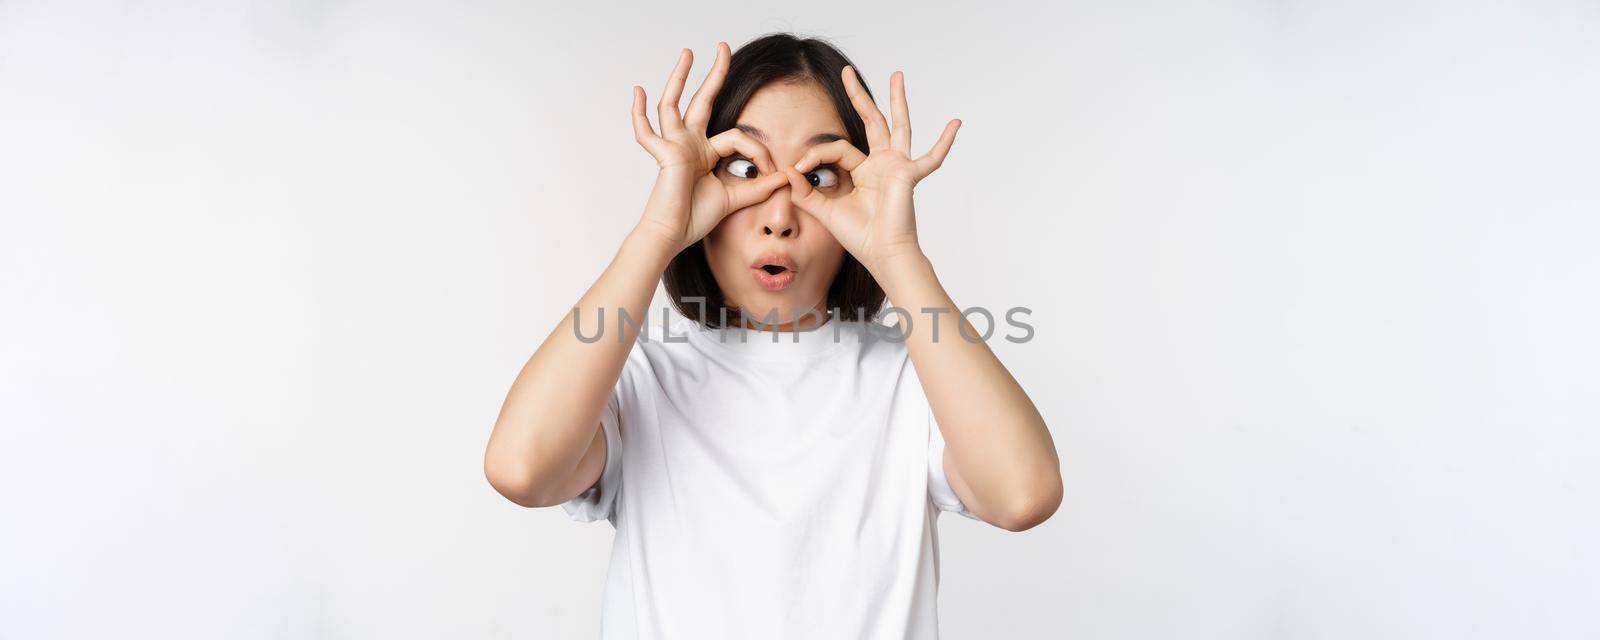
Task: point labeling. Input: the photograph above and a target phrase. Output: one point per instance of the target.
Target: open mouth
(774, 271)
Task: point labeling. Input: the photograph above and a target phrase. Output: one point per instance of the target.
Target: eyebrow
(813, 140)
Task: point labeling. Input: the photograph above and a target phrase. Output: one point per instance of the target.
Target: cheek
(729, 226)
(721, 243)
(818, 238)
(821, 245)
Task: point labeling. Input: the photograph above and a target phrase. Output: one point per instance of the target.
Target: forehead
(791, 113)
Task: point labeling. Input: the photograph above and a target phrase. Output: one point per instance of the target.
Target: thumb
(802, 194)
(748, 193)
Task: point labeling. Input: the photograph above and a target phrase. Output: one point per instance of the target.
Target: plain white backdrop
(1314, 287)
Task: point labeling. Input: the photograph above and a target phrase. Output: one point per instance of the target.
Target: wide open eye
(742, 168)
(823, 177)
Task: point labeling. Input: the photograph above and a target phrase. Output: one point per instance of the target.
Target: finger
(803, 195)
(667, 109)
(642, 132)
(746, 193)
(935, 156)
(839, 152)
(900, 135)
(641, 123)
(877, 126)
(727, 142)
(699, 114)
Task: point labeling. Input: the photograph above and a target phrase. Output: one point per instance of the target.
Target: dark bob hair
(776, 57)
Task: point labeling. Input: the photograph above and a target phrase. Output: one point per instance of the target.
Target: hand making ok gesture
(693, 199)
(875, 222)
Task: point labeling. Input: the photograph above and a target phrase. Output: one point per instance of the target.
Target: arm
(999, 456)
(547, 445)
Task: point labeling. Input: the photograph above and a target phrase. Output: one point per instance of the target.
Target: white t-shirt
(770, 490)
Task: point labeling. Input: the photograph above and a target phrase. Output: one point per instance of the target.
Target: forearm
(552, 411)
(994, 435)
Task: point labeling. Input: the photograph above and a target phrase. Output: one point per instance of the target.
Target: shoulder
(665, 331)
(882, 343)
(655, 352)
(665, 341)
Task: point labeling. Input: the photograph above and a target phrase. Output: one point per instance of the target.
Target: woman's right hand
(689, 199)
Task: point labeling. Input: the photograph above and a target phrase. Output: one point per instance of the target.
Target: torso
(769, 490)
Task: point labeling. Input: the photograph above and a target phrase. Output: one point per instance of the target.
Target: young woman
(775, 459)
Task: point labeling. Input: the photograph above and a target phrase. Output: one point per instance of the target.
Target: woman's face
(787, 118)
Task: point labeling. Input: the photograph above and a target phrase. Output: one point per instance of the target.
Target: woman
(765, 487)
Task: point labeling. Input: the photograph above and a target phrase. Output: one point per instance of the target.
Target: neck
(804, 322)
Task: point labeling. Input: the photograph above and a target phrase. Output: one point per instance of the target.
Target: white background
(1314, 287)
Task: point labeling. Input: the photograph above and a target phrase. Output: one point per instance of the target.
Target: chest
(774, 445)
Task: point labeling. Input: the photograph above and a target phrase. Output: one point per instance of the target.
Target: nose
(778, 218)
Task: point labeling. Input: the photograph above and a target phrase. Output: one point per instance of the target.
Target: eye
(742, 168)
(823, 177)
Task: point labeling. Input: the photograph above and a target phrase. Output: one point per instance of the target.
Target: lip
(774, 282)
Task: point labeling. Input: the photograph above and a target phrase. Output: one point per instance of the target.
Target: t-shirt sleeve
(598, 501)
(939, 490)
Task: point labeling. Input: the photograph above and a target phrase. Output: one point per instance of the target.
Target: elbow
(520, 492)
(529, 472)
(515, 480)
(524, 482)
(509, 481)
(1033, 506)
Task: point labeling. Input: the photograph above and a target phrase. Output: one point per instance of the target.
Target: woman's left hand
(875, 222)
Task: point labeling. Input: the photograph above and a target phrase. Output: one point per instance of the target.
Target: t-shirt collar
(778, 345)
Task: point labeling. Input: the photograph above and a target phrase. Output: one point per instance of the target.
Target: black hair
(776, 57)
